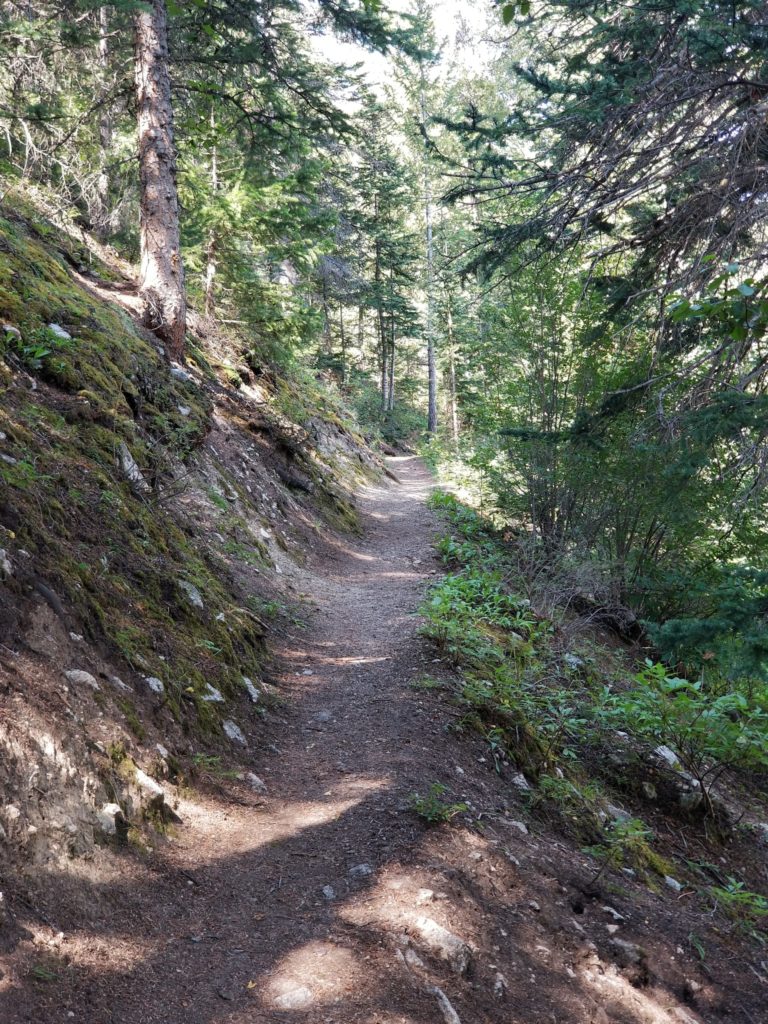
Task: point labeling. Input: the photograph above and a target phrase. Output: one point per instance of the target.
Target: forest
(259, 258)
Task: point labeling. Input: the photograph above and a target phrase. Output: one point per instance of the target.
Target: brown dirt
(226, 921)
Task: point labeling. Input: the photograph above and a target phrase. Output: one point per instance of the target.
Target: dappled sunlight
(316, 973)
(619, 998)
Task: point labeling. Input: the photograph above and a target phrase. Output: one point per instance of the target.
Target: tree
(161, 275)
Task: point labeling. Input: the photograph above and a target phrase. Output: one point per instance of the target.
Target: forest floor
(326, 898)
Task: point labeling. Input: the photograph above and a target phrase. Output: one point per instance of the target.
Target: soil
(327, 898)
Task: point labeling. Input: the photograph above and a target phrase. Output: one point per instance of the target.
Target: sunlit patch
(618, 997)
(318, 972)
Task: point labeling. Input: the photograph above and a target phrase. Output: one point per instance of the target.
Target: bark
(212, 246)
(101, 218)
(431, 355)
(343, 340)
(452, 402)
(161, 278)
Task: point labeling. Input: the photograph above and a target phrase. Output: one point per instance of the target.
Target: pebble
(673, 883)
(257, 785)
(520, 781)
(59, 331)
(329, 893)
(156, 685)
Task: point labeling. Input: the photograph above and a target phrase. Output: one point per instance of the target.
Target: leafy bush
(708, 731)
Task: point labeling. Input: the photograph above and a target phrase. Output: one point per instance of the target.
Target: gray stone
(13, 331)
(156, 685)
(573, 661)
(673, 883)
(233, 732)
(194, 596)
(212, 695)
(59, 331)
(148, 785)
(628, 953)
(293, 997)
(441, 943)
(184, 410)
(667, 755)
(519, 825)
(253, 692)
(180, 374)
(329, 893)
(257, 785)
(6, 569)
(520, 782)
(360, 871)
(78, 677)
(130, 468)
(118, 682)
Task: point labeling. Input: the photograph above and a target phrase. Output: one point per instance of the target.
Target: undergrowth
(552, 715)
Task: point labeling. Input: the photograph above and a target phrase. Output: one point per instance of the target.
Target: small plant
(749, 910)
(432, 807)
(625, 841)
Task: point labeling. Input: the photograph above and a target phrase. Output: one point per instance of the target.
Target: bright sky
(459, 26)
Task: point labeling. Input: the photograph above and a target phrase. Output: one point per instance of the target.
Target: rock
(329, 893)
(762, 831)
(666, 754)
(257, 785)
(9, 459)
(442, 943)
(118, 682)
(520, 782)
(149, 787)
(629, 954)
(613, 913)
(78, 677)
(194, 596)
(253, 693)
(162, 751)
(76, 638)
(233, 732)
(180, 374)
(6, 569)
(449, 1014)
(673, 883)
(212, 695)
(292, 996)
(131, 470)
(322, 717)
(109, 817)
(184, 410)
(13, 331)
(499, 985)
(573, 661)
(534, 905)
(156, 685)
(360, 871)
(617, 813)
(519, 825)
(59, 331)
(424, 896)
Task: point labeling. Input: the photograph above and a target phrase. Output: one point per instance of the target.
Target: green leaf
(508, 13)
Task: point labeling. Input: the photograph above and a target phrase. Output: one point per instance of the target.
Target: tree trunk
(431, 357)
(343, 341)
(101, 218)
(161, 278)
(452, 402)
(212, 247)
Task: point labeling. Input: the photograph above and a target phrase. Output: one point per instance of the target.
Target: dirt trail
(328, 899)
